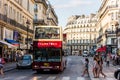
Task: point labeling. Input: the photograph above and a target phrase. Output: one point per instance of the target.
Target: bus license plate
(46, 69)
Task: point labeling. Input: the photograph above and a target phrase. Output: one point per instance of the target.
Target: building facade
(16, 22)
(107, 24)
(44, 13)
(81, 32)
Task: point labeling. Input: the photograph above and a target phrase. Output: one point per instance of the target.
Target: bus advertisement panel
(47, 49)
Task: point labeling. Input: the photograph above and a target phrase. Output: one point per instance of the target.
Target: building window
(35, 17)
(112, 16)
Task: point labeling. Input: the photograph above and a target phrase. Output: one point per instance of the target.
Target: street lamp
(28, 23)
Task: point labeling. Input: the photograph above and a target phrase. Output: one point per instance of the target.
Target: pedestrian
(100, 63)
(86, 67)
(108, 59)
(95, 66)
(2, 62)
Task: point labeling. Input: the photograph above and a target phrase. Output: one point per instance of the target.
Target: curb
(9, 69)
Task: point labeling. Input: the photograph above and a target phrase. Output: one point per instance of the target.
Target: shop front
(4, 47)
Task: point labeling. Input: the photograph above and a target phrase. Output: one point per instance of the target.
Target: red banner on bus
(47, 44)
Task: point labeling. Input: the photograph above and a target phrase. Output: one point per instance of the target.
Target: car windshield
(26, 57)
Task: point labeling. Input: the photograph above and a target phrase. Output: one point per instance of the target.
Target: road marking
(80, 78)
(7, 78)
(66, 78)
(36, 78)
(20, 78)
(109, 79)
(51, 78)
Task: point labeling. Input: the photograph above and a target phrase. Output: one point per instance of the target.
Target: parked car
(117, 74)
(25, 62)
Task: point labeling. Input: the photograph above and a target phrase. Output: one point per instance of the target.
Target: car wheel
(118, 76)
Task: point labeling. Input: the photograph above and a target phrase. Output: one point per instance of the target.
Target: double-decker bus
(47, 49)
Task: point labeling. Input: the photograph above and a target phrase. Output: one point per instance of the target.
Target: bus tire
(37, 71)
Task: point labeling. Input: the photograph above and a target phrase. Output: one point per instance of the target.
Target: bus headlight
(57, 66)
(35, 66)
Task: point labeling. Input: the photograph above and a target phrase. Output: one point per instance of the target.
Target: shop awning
(8, 44)
(11, 41)
(101, 49)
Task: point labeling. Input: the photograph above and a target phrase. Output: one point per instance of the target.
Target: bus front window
(47, 55)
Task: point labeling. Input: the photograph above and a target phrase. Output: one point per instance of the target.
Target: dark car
(117, 74)
(25, 62)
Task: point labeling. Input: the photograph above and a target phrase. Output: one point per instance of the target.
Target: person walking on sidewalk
(95, 66)
(100, 63)
(108, 57)
(86, 67)
(2, 62)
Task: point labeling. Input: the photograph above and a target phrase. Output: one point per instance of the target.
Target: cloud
(73, 4)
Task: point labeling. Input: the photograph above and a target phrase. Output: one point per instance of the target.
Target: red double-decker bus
(47, 49)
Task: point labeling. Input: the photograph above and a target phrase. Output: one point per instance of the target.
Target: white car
(85, 54)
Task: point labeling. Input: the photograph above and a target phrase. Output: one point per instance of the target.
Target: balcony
(80, 44)
(99, 38)
(14, 23)
(41, 1)
(35, 9)
(118, 32)
(39, 22)
(111, 33)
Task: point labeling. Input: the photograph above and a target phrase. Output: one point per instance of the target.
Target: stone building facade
(81, 32)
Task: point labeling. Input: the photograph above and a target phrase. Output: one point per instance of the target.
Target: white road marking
(51, 78)
(80, 78)
(66, 78)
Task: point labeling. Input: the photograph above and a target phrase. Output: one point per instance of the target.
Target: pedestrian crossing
(51, 78)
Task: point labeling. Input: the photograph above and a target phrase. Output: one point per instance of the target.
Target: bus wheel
(37, 71)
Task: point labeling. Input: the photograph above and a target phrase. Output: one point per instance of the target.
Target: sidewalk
(9, 66)
(109, 71)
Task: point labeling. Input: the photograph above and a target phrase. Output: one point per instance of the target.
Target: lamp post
(28, 23)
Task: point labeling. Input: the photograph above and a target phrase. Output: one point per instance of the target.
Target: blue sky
(66, 8)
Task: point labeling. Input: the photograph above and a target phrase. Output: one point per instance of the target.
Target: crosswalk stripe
(51, 78)
(80, 78)
(66, 78)
(20, 78)
(36, 78)
(6, 78)
(103, 79)
(110, 79)
(54, 78)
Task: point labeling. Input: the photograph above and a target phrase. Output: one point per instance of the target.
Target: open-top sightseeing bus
(47, 49)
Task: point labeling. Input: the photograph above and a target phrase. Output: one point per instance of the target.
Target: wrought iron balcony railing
(14, 23)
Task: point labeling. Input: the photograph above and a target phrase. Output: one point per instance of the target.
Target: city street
(72, 72)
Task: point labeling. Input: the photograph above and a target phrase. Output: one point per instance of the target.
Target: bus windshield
(47, 33)
(47, 54)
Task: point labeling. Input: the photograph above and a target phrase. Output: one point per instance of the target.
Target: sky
(66, 8)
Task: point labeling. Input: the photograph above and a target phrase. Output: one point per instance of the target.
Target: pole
(27, 37)
(28, 23)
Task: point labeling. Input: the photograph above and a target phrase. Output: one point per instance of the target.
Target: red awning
(101, 49)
